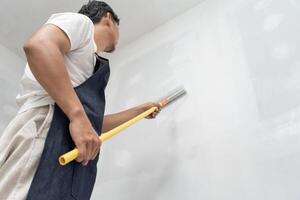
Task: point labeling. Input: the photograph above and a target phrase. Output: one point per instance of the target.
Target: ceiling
(19, 19)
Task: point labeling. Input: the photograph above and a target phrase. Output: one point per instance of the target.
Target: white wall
(236, 135)
(11, 69)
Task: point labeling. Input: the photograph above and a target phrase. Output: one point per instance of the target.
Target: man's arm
(45, 55)
(113, 120)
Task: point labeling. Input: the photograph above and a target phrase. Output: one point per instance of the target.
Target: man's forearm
(113, 120)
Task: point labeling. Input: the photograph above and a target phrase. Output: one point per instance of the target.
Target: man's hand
(85, 138)
(113, 120)
(146, 106)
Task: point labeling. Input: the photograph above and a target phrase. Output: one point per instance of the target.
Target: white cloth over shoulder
(79, 60)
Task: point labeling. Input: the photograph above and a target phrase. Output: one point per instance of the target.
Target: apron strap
(97, 65)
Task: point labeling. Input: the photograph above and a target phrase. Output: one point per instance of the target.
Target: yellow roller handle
(72, 155)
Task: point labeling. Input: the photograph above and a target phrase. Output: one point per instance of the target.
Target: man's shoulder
(70, 16)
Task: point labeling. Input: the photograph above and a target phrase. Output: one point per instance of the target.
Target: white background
(236, 134)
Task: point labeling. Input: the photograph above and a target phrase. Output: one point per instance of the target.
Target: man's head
(106, 22)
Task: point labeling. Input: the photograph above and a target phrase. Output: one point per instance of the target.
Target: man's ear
(104, 21)
(107, 18)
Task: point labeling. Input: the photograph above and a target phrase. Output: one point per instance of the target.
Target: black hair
(95, 10)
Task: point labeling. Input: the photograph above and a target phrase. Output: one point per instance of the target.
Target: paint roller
(173, 95)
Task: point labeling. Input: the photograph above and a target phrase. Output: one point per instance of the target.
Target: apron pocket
(83, 180)
(43, 121)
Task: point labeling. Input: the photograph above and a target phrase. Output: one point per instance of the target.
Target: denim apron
(73, 181)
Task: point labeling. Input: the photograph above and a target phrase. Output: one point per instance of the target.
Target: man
(61, 106)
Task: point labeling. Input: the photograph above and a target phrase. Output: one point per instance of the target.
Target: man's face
(114, 37)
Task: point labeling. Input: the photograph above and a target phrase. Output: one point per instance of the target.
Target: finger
(89, 150)
(93, 148)
(87, 154)
(158, 110)
(97, 150)
(95, 155)
(150, 116)
(81, 152)
(158, 105)
(96, 147)
(85, 163)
